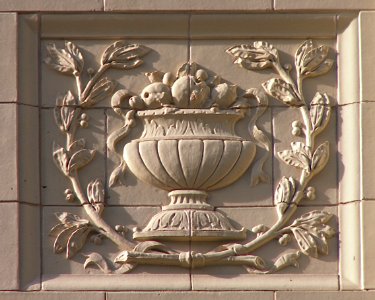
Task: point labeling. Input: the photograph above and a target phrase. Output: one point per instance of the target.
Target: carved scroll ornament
(189, 147)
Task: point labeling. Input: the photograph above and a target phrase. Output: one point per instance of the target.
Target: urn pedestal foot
(189, 217)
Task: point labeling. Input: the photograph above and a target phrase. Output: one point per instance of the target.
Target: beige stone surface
(8, 66)
(273, 282)
(241, 26)
(9, 255)
(348, 58)
(51, 5)
(367, 146)
(29, 234)
(127, 282)
(350, 245)
(349, 161)
(29, 152)
(307, 295)
(191, 295)
(367, 57)
(116, 26)
(8, 148)
(323, 5)
(367, 242)
(28, 54)
(52, 295)
(201, 5)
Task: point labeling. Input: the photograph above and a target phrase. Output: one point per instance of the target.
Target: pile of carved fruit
(191, 88)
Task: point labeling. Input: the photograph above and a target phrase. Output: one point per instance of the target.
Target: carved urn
(189, 147)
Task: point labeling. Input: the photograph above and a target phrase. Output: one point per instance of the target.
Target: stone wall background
(31, 189)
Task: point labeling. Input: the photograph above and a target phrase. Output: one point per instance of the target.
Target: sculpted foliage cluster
(192, 88)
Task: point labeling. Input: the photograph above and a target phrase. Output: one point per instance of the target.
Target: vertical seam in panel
(360, 121)
(39, 96)
(189, 60)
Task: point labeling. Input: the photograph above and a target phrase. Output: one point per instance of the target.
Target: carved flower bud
(95, 194)
(297, 128)
(259, 229)
(69, 196)
(310, 193)
(285, 239)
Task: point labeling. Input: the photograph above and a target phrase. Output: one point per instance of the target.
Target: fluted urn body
(189, 152)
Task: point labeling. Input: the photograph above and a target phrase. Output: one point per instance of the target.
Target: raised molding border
(350, 271)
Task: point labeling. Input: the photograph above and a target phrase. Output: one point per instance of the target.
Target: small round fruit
(201, 75)
(296, 131)
(84, 124)
(84, 117)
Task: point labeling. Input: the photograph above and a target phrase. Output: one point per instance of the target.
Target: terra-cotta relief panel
(189, 157)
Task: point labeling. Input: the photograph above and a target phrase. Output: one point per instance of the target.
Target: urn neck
(188, 199)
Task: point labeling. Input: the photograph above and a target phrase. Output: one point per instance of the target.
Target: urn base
(189, 217)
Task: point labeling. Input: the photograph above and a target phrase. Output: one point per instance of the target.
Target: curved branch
(98, 222)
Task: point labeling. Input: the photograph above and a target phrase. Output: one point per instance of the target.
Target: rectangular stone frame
(27, 274)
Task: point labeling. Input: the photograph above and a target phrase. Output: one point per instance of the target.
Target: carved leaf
(322, 69)
(313, 218)
(313, 58)
(80, 159)
(97, 260)
(62, 238)
(304, 48)
(64, 111)
(76, 146)
(312, 61)
(299, 156)
(286, 260)
(57, 229)
(320, 112)
(282, 91)
(74, 51)
(70, 219)
(61, 158)
(257, 56)
(95, 194)
(68, 60)
(284, 193)
(314, 224)
(305, 241)
(77, 240)
(320, 238)
(116, 174)
(320, 157)
(152, 245)
(123, 56)
(100, 91)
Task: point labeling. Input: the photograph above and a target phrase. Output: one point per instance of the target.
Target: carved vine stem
(100, 225)
(73, 231)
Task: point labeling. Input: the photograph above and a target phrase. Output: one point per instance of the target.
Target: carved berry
(310, 193)
(284, 240)
(296, 131)
(83, 124)
(84, 117)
